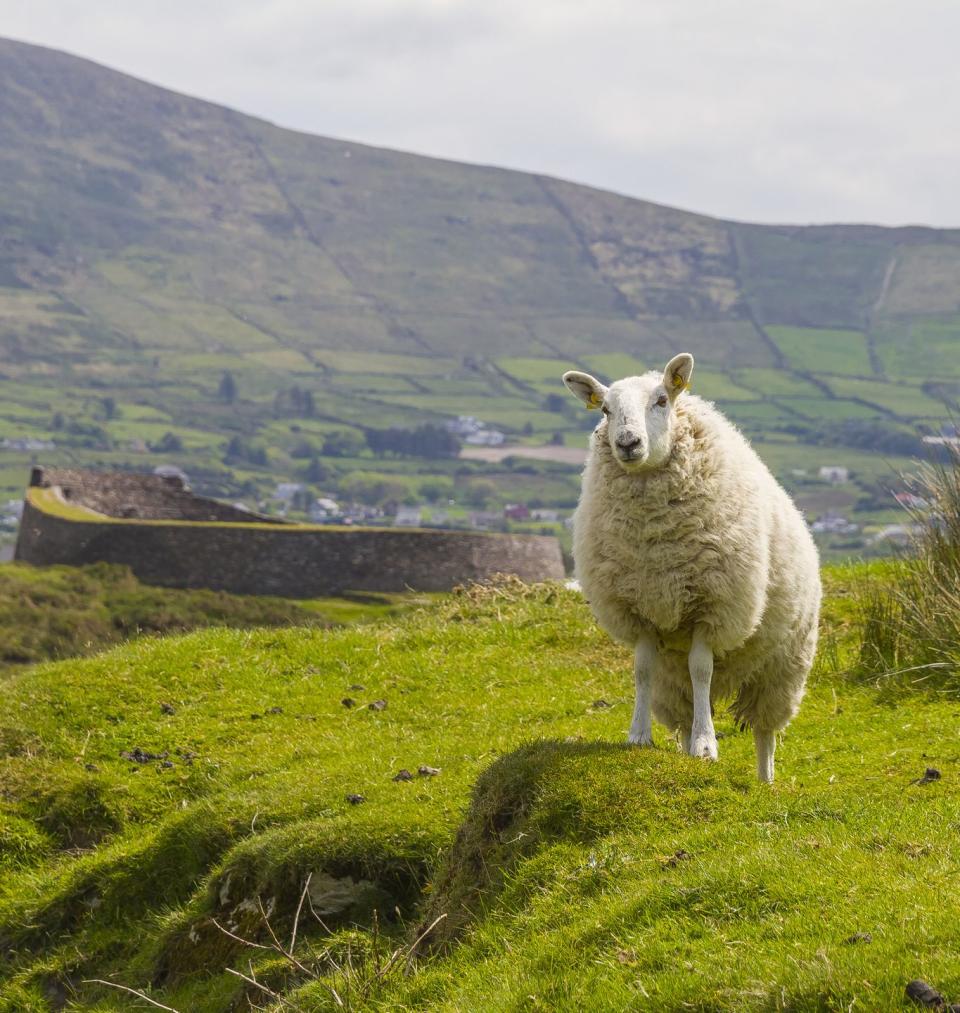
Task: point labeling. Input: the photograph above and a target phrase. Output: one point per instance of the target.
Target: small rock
(670, 861)
(138, 755)
(356, 799)
(167, 708)
(275, 710)
(424, 771)
(356, 688)
(925, 995)
(255, 717)
(167, 764)
(600, 704)
(92, 767)
(378, 705)
(859, 937)
(929, 775)
(348, 701)
(403, 775)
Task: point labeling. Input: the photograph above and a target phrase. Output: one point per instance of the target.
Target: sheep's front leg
(644, 660)
(703, 739)
(766, 743)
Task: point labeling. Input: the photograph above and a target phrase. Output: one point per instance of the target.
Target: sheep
(691, 553)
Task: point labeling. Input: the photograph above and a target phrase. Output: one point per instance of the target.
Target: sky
(758, 110)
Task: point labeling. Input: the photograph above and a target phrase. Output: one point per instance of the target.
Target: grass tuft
(910, 622)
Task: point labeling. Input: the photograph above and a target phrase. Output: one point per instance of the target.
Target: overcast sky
(763, 110)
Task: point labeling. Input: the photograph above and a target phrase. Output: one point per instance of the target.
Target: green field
(171, 786)
(823, 351)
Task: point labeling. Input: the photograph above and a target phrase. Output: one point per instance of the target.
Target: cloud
(764, 110)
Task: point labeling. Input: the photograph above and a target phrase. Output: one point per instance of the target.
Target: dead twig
(131, 991)
(263, 988)
(296, 917)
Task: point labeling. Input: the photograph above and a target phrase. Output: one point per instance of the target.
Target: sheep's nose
(627, 441)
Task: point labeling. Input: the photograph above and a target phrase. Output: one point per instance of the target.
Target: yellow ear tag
(595, 401)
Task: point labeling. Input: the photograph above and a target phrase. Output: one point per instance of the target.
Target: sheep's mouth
(630, 460)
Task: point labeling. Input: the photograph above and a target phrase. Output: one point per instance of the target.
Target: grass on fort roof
(50, 502)
(574, 872)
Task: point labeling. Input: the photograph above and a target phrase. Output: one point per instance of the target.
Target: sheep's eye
(662, 401)
(605, 409)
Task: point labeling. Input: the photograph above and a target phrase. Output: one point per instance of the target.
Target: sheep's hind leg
(766, 743)
(703, 739)
(644, 660)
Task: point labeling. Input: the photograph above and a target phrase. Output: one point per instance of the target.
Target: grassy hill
(150, 849)
(151, 243)
(64, 611)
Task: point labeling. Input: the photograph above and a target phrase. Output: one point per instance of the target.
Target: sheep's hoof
(705, 747)
(636, 739)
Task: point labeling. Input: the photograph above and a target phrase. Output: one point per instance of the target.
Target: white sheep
(690, 552)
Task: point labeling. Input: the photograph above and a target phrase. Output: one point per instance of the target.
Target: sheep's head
(638, 411)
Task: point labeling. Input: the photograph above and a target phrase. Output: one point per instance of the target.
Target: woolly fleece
(708, 538)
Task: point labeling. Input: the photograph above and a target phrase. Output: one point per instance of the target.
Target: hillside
(151, 243)
(142, 847)
(63, 611)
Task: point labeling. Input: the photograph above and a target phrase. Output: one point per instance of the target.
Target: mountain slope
(149, 242)
(208, 207)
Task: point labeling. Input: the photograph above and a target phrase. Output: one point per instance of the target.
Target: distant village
(296, 500)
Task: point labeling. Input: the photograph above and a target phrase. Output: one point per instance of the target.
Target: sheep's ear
(676, 375)
(586, 387)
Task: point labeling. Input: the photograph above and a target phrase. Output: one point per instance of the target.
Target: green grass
(922, 349)
(611, 366)
(63, 611)
(829, 409)
(574, 872)
(535, 371)
(902, 399)
(817, 350)
(772, 382)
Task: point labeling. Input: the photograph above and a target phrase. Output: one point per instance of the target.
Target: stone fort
(169, 536)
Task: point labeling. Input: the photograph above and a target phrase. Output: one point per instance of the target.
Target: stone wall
(131, 494)
(290, 560)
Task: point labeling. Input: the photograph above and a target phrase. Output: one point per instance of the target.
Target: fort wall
(252, 555)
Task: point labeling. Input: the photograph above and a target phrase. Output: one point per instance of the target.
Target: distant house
(948, 438)
(26, 443)
(172, 471)
(545, 515)
(486, 438)
(516, 512)
(834, 474)
(464, 425)
(485, 519)
(910, 501)
(832, 523)
(287, 490)
(408, 517)
(324, 509)
(898, 534)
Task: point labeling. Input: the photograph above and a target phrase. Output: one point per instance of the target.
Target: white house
(408, 517)
(834, 474)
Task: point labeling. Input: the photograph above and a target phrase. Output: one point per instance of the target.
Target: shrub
(910, 621)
